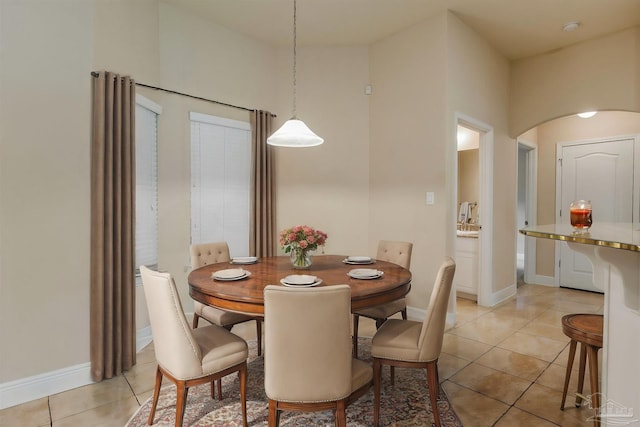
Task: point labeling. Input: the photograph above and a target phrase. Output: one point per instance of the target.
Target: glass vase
(301, 258)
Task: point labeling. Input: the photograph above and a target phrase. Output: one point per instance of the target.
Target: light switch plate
(430, 197)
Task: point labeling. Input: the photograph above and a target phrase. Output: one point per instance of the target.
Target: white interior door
(526, 208)
(600, 171)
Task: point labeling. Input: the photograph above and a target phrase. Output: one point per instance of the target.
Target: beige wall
(474, 67)
(45, 115)
(327, 186)
(159, 45)
(48, 53)
(572, 128)
(207, 60)
(408, 150)
(413, 142)
(600, 74)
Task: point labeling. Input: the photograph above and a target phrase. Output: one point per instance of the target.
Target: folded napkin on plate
(300, 279)
(230, 273)
(365, 273)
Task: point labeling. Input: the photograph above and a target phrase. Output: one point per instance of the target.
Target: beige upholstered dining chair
(212, 253)
(397, 253)
(188, 357)
(308, 363)
(410, 344)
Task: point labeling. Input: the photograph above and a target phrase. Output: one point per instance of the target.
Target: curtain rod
(95, 74)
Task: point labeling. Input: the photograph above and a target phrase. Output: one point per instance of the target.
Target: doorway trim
(486, 296)
(531, 208)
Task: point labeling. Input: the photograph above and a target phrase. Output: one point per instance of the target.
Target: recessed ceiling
(515, 28)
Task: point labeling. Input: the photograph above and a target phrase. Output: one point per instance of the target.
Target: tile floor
(500, 366)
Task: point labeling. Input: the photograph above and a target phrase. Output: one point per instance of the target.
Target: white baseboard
(417, 314)
(503, 294)
(143, 338)
(31, 388)
(545, 280)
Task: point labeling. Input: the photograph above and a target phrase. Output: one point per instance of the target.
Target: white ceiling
(516, 28)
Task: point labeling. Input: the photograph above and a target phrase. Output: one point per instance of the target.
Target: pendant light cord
(294, 58)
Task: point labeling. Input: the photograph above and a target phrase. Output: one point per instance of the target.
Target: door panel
(603, 173)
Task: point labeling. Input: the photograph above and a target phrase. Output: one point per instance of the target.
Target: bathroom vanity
(614, 251)
(466, 277)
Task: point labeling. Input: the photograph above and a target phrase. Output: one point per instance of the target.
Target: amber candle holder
(581, 215)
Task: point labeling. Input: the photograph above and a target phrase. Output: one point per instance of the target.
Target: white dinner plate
(244, 260)
(365, 273)
(230, 274)
(359, 259)
(306, 285)
(299, 279)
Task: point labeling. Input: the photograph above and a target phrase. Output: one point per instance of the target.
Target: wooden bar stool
(585, 329)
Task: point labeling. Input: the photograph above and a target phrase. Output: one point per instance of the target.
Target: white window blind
(220, 181)
(146, 182)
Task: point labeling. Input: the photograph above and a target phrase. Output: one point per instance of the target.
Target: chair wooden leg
(195, 320)
(243, 393)
(376, 392)
(156, 394)
(217, 382)
(379, 322)
(592, 353)
(259, 334)
(404, 313)
(567, 375)
(181, 401)
(583, 362)
(434, 389)
(341, 414)
(273, 422)
(392, 375)
(356, 320)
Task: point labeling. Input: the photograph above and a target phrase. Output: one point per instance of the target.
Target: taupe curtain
(263, 233)
(113, 348)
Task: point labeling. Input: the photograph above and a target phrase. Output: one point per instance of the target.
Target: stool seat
(585, 329)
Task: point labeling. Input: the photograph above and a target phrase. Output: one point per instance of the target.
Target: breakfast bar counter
(614, 251)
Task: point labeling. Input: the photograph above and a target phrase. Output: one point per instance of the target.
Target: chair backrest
(209, 253)
(308, 343)
(176, 349)
(432, 334)
(395, 252)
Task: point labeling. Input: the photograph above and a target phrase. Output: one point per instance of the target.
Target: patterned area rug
(405, 404)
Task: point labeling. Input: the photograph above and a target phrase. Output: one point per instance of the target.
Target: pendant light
(294, 133)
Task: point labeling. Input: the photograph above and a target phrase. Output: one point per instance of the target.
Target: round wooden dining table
(247, 294)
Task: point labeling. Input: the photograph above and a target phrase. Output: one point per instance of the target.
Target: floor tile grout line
(49, 409)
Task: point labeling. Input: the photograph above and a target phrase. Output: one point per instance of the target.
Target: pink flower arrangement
(301, 237)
